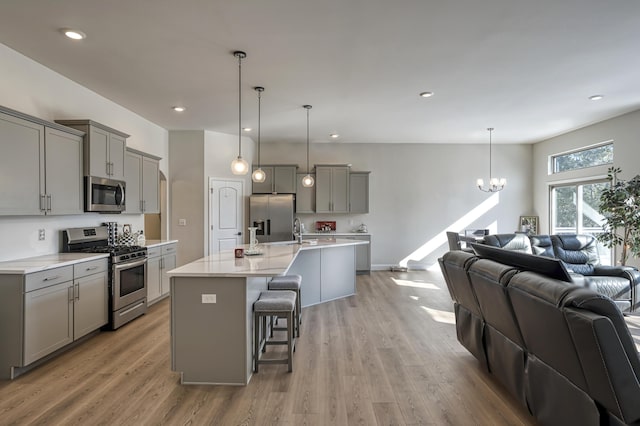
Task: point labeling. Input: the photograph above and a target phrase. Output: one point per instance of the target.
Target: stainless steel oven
(127, 271)
(129, 290)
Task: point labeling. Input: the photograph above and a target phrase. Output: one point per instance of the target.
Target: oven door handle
(127, 265)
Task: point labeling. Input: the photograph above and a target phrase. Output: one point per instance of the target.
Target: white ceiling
(525, 67)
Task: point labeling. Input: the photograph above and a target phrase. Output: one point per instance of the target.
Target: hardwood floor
(387, 356)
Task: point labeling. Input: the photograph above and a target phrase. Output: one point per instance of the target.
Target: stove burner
(115, 250)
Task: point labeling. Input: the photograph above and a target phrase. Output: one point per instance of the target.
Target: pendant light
(239, 166)
(495, 184)
(307, 181)
(258, 174)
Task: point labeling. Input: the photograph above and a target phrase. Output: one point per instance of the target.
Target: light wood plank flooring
(387, 356)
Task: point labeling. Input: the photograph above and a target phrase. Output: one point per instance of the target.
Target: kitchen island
(212, 302)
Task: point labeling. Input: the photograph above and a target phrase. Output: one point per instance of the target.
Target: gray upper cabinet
(104, 151)
(142, 173)
(305, 197)
(359, 192)
(63, 181)
(280, 179)
(42, 166)
(332, 189)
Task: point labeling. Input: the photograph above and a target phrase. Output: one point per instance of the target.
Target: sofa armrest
(617, 271)
(628, 272)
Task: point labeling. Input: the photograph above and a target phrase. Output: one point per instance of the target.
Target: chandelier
(495, 184)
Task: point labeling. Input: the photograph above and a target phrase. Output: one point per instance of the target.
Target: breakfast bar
(212, 301)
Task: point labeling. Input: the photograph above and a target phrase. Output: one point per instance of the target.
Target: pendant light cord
(308, 107)
(259, 89)
(490, 129)
(240, 55)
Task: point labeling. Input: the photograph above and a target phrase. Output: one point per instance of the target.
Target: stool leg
(298, 313)
(256, 341)
(264, 331)
(290, 340)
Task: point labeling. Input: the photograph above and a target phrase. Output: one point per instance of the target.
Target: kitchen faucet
(297, 231)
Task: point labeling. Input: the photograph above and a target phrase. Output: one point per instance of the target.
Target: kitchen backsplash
(20, 234)
(343, 223)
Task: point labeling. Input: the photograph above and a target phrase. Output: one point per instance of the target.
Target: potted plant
(620, 207)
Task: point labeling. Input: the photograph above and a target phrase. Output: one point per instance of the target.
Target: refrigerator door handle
(268, 226)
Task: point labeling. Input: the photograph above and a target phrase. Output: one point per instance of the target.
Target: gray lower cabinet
(363, 251)
(47, 310)
(142, 176)
(160, 259)
(42, 166)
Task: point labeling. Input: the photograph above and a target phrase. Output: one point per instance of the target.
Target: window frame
(553, 158)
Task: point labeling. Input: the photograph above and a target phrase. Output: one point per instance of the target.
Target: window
(574, 209)
(583, 158)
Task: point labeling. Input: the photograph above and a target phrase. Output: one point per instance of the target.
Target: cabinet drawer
(169, 249)
(89, 268)
(154, 251)
(47, 278)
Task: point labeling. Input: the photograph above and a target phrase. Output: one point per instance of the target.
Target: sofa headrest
(552, 268)
(512, 242)
(550, 290)
(541, 245)
(602, 305)
(579, 252)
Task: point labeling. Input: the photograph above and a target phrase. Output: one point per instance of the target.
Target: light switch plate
(182, 222)
(41, 234)
(209, 298)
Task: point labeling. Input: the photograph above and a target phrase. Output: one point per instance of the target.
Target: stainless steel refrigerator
(273, 216)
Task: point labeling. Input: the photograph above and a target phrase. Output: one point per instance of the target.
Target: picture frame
(528, 225)
(126, 229)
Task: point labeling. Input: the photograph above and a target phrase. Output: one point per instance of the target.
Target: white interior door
(225, 214)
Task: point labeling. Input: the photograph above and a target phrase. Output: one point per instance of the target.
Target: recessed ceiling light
(73, 34)
(596, 97)
(246, 129)
(426, 94)
(178, 109)
(334, 136)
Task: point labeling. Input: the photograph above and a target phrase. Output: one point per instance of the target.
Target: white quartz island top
(276, 258)
(155, 243)
(48, 261)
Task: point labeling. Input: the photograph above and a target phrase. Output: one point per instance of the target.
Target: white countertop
(155, 243)
(276, 258)
(47, 261)
(335, 233)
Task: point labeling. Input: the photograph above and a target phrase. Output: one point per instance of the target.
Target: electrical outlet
(40, 234)
(182, 222)
(208, 298)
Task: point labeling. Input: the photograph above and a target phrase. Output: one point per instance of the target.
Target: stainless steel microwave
(104, 195)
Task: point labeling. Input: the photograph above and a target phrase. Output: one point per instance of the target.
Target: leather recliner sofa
(564, 351)
(579, 254)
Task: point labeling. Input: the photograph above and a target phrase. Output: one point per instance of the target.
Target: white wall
(195, 156)
(28, 87)
(624, 131)
(418, 192)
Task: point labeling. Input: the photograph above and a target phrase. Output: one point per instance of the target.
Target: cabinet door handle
(55, 277)
(92, 268)
(70, 293)
(43, 206)
(48, 202)
(77, 291)
(141, 206)
(108, 168)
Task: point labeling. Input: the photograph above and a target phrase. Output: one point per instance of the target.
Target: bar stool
(291, 282)
(273, 303)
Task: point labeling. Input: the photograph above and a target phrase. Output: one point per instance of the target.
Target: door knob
(239, 233)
